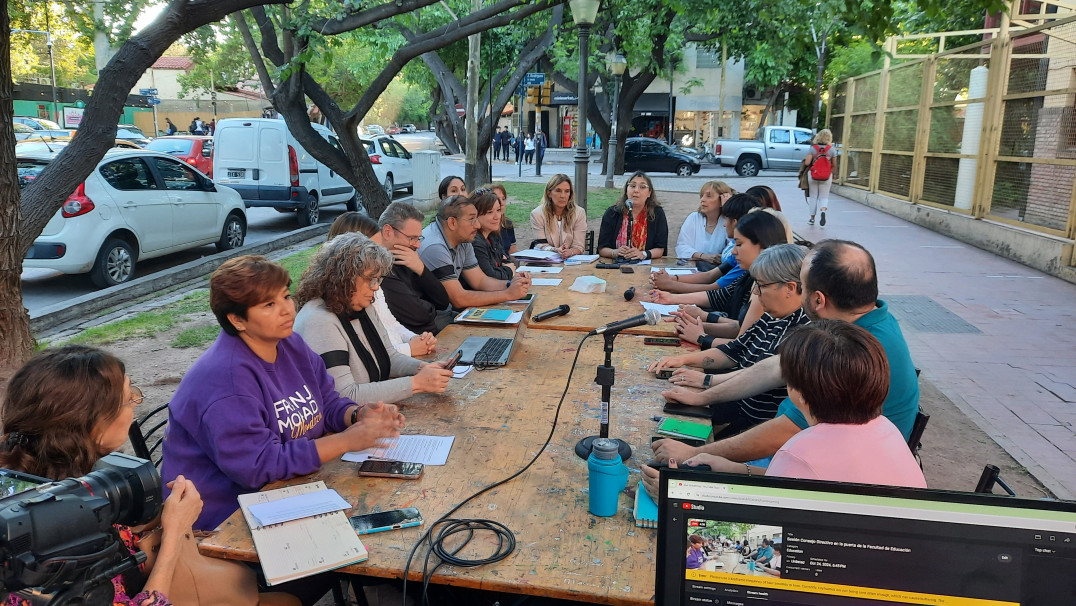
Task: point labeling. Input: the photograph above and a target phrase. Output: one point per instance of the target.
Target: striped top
(756, 344)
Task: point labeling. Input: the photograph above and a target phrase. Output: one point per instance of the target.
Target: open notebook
(304, 547)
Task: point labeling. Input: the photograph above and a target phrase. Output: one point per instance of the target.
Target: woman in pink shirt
(838, 376)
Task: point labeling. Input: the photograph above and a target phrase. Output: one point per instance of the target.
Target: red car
(194, 150)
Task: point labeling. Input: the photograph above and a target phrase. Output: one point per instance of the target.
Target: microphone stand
(606, 377)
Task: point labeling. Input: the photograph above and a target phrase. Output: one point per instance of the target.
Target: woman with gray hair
(776, 272)
(337, 321)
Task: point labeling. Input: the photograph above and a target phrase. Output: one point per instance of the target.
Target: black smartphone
(607, 266)
(627, 269)
(676, 408)
(454, 360)
(386, 520)
(665, 373)
(689, 442)
(399, 470)
(670, 341)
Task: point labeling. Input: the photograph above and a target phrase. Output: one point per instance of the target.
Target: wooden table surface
(500, 419)
(590, 310)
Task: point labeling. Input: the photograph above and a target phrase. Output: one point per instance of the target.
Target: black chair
(915, 438)
(992, 475)
(588, 243)
(537, 242)
(147, 435)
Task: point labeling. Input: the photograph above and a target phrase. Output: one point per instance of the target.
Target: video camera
(57, 541)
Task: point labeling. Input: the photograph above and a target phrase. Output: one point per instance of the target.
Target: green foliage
(199, 336)
(221, 60)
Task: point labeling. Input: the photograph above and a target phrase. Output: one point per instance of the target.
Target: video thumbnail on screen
(733, 547)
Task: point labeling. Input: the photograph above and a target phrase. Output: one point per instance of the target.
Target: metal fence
(986, 129)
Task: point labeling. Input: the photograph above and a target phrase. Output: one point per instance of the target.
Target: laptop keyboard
(491, 352)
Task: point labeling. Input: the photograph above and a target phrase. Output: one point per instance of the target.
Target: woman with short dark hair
(838, 376)
(487, 243)
(258, 406)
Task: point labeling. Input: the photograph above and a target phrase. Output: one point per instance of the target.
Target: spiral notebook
(304, 547)
(646, 510)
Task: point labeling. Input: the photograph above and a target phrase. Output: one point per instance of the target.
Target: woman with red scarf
(645, 235)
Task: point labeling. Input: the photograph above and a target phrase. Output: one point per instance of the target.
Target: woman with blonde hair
(559, 225)
(818, 194)
(703, 237)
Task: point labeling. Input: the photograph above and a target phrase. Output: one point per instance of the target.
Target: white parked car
(135, 205)
(392, 163)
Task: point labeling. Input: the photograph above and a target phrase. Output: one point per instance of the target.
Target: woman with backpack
(819, 163)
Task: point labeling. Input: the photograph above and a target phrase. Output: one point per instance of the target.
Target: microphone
(560, 310)
(651, 317)
(628, 202)
(629, 294)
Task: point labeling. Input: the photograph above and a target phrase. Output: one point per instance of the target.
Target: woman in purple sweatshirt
(695, 555)
(258, 406)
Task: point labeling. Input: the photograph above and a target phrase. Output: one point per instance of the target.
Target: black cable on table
(506, 540)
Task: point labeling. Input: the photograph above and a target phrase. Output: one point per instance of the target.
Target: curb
(91, 303)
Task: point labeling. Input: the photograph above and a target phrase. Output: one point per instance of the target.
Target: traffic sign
(533, 79)
(154, 101)
(147, 92)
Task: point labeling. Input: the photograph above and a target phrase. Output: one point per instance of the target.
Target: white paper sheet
(673, 271)
(299, 506)
(546, 282)
(458, 372)
(665, 310)
(532, 253)
(428, 450)
(580, 259)
(541, 269)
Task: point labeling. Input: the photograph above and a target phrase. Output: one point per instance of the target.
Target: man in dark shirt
(414, 295)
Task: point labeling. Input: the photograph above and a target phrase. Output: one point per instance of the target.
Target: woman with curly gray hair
(338, 322)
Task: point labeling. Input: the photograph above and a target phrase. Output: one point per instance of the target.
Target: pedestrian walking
(171, 128)
(540, 143)
(528, 149)
(497, 138)
(819, 163)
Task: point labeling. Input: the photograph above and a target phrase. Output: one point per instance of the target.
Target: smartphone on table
(665, 373)
(669, 341)
(381, 521)
(399, 470)
(627, 269)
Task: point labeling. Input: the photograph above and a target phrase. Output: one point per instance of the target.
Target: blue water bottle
(608, 476)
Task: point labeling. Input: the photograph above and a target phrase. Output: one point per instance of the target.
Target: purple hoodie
(237, 422)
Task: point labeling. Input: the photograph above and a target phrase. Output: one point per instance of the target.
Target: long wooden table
(590, 310)
(500, 419)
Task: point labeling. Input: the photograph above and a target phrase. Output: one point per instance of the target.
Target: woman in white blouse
(703, 237)
(559, 225)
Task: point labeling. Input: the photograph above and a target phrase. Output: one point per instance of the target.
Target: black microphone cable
(506, 540)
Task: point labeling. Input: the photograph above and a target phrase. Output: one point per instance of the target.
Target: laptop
(492, 351)
(813, 543)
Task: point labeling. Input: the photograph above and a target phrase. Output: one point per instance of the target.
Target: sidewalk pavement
(995, 337)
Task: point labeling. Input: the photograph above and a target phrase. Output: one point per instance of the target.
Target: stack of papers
(546, 281)
(674, 271)
(428, 450)
(539, 255)
(540, 269)
(297, 507)
(580, 259)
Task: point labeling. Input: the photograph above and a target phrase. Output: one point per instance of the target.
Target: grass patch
(297, 262)
(145, 324)
(196, 337)
(524, 197)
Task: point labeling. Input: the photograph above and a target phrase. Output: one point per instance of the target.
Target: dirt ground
(954, 449)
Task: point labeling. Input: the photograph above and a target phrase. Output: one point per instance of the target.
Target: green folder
(679, 428)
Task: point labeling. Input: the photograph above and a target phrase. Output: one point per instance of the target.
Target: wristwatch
(706, 380)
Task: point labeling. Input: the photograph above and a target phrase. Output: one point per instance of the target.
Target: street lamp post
(584, 12)
(617, 65)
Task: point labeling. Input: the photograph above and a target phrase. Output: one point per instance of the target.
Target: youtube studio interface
(731, 542)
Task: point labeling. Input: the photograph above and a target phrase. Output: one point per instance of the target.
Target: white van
(260, 159)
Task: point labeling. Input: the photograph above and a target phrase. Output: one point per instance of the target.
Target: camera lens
(130, 484)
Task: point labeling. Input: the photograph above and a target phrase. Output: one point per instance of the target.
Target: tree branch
(354, 21)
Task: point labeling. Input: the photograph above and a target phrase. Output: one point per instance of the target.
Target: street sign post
(533, 79)
(148, 92)
(154, 100)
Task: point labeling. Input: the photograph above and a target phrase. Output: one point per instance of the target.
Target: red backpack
(821, 168)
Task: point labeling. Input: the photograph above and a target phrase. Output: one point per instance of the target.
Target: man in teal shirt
(840, 282)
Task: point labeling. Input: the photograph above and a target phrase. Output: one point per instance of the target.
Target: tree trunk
(820, 51)
(16, 344)
(474, 77)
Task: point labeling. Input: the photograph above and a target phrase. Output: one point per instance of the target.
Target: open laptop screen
(828, 544)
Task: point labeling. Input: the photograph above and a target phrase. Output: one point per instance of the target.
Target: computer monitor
(828, 544)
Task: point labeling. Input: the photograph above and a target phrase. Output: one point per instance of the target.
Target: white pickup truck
(775, 148)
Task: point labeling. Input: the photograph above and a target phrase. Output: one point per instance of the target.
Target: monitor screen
(730, 540)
